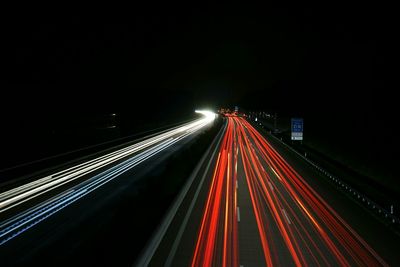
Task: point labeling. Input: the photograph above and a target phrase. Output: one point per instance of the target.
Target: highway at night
(37, 202)
(248, 202)
(250, 207)
(199, 135)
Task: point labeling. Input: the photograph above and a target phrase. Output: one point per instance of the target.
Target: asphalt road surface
(60, 211)
(251, 202)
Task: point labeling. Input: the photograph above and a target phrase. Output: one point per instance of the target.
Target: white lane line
(276, 174)
(238, 214)
(286, 216)
(270, 185)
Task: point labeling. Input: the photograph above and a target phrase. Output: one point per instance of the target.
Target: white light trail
(128, 158)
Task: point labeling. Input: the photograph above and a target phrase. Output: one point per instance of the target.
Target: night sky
(330, 65)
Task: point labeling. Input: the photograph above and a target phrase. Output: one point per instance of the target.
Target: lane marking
(237, 185)
(270, 185)
(276, 174)
(286, 216)
(238, 214)
(145, 261)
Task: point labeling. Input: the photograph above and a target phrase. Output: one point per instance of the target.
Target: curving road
(24, 207)
(252, 208)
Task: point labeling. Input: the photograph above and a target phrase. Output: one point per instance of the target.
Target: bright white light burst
(209, 115)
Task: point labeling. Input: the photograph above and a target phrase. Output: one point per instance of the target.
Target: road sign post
(297, 129)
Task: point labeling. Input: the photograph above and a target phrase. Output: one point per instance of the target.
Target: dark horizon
(330, 65)
(104, 161)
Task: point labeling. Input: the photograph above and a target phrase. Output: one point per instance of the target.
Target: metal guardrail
(356, 195)
(361, 198)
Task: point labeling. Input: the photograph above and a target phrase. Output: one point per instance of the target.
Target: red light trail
(295, 224)
(219, 218)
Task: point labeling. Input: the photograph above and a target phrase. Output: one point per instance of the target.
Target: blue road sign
(297, 129)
